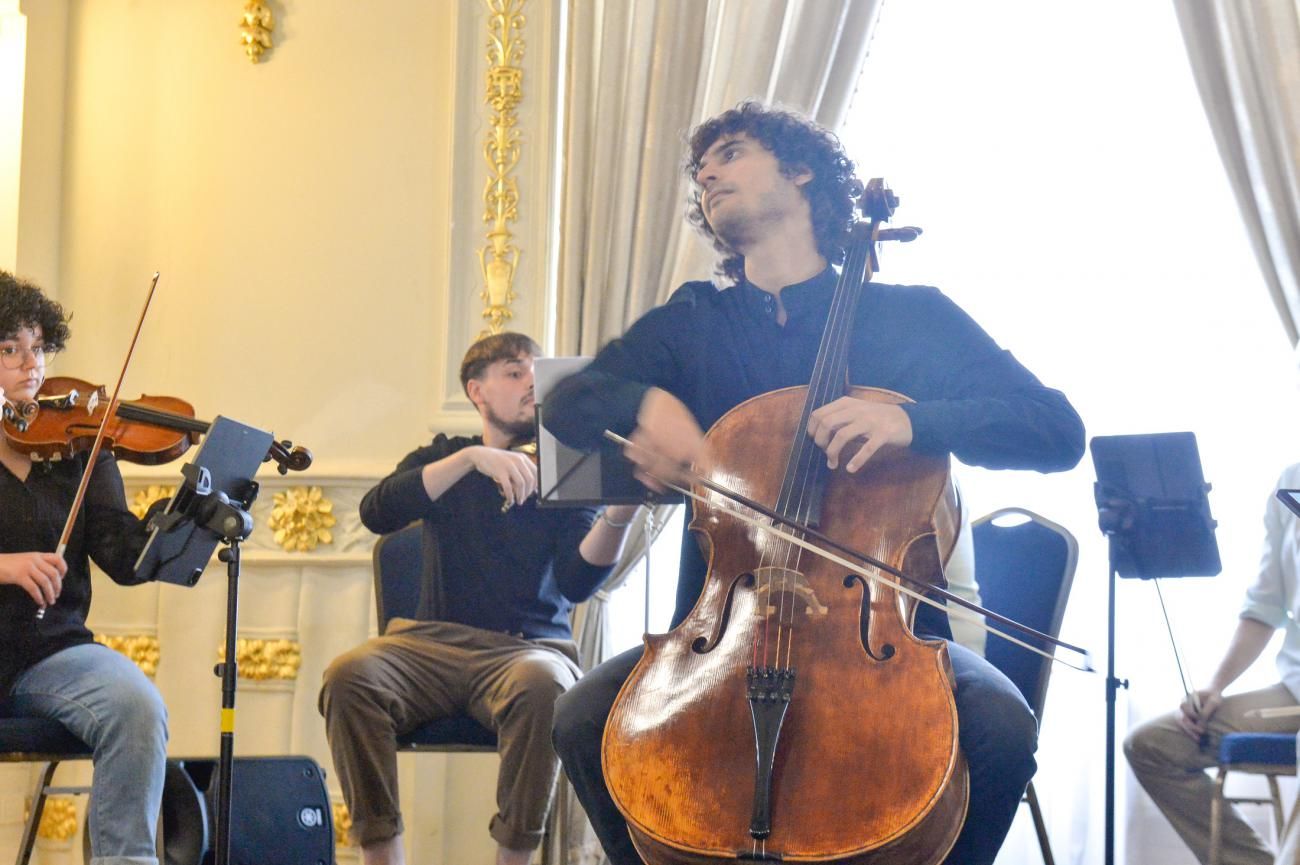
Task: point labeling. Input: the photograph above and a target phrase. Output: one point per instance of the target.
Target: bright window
(1060, 162)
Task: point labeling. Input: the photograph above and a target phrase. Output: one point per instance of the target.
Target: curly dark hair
(22, 305)
(490, 349)
(798, 144)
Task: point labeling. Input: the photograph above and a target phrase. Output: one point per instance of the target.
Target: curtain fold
(1245, 57)
(640, 74)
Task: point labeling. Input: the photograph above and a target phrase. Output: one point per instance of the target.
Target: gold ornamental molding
(301, 518)
(143, 650)
(255, 27)
(263, 660)
(144, 499)
(58, 818)
(499, 259)
(342, 825)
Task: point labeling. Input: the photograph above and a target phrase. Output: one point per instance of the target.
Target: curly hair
(798, 144)
(23, 305)
(490, 349)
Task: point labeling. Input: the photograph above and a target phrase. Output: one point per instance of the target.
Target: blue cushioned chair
(36, 740)
(1024, 565)
(1267, 754)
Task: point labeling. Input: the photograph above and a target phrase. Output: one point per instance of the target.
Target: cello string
(829, 379)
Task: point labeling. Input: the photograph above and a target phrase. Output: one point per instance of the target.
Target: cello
(793, 715)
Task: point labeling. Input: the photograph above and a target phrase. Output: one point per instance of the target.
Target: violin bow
(1189, 690)
(99, 434)
(971, 612)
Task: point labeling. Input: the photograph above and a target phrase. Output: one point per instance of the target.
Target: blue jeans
(104, 699)
(997, 731)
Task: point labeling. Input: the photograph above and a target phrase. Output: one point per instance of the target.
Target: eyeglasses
(14, 356)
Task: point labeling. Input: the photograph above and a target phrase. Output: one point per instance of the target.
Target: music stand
(211, 508)
(1152, 506)
(568, 477)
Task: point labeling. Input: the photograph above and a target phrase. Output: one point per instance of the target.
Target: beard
(517, 429)
(732, 232)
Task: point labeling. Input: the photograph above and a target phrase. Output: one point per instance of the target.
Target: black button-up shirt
(715, 349)
(32, 514)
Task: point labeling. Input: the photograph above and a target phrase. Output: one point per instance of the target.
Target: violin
(528, 448)
(65, 416)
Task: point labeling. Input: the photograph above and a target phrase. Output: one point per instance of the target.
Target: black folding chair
(37, 740)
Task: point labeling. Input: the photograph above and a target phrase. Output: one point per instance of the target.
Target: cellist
(50, 667)
(774, 192)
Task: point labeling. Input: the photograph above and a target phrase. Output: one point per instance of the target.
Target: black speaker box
(279, 813)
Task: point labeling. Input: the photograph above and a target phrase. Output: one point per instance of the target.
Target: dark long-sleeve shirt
(715, 349)
(519, 571)
(32, 515)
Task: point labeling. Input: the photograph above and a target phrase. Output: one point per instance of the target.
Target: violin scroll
(288, 457)
(18, 413)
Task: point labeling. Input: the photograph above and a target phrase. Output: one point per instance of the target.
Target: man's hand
(1198, 708)
(836, 425)
(38, 574)
(666, 442)
(515, 473)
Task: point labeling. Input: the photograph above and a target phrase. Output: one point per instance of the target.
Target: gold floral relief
(144, 499)
(58, 818)
(342, 825)
(499, 258)
(301, 518)
(264, 660)
(255, 26)
(143, 650)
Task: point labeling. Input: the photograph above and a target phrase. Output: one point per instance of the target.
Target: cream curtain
(1245, 56)
(641, 73)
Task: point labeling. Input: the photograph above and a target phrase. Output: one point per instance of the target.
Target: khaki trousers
(1171, 768)
(419, 671)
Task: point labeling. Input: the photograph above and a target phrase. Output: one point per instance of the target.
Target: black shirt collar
(808, 299)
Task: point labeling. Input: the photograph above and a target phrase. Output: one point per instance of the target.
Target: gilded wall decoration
(143, 650)
(255, 26)
(499, 259)
(144, 498)
(342, 825)
(58, 818)
(263, 660)
(301, 518)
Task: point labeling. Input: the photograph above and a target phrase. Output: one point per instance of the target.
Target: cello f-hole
(701, 645)
(887, 650)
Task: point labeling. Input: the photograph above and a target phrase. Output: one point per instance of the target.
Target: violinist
(774, 192)
(1169, 754)
(501, 650)
(50, 667)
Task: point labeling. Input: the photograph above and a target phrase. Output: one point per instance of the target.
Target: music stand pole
(1152, 506)
(229, 672)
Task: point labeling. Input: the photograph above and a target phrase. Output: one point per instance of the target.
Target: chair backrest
(1024, 565)
(398, 564)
